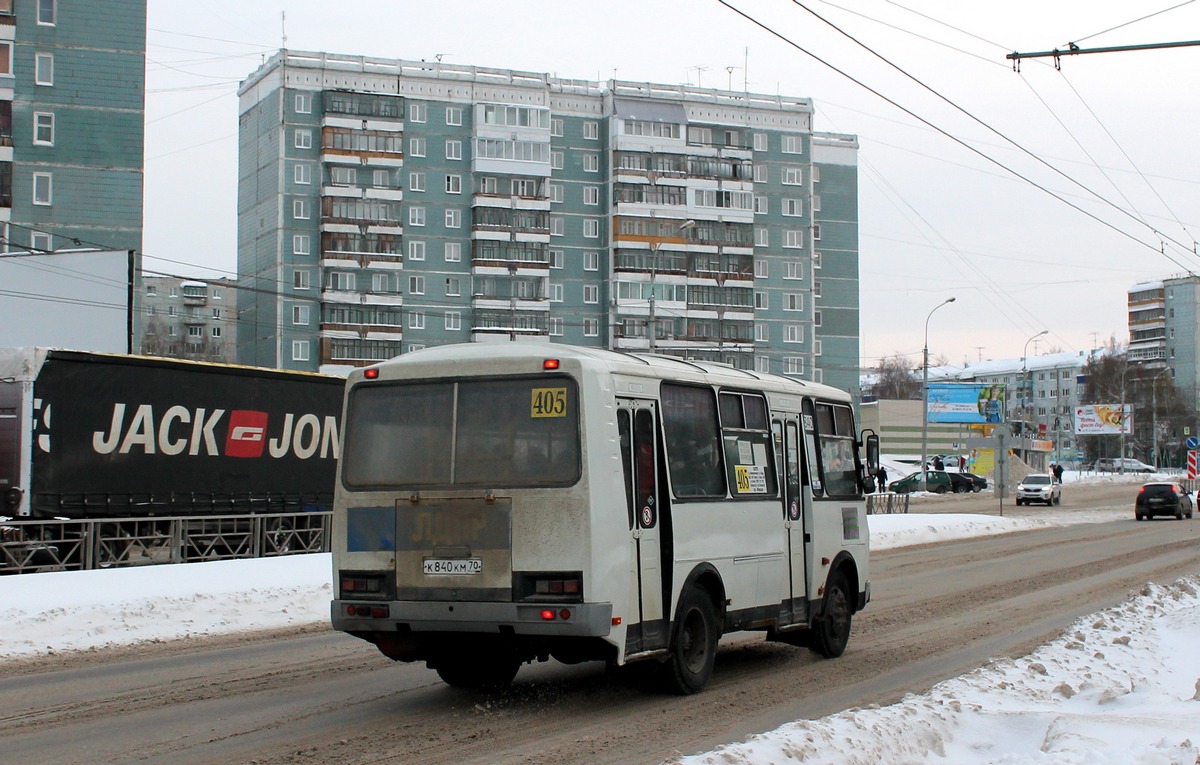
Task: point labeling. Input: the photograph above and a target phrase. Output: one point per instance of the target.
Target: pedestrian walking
(881, 478)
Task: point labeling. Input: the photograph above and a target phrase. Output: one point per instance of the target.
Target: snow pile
(1119, 687)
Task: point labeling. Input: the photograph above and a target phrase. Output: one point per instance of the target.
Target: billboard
(1103, 419)
(972, 403)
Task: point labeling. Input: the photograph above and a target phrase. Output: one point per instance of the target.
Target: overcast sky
(1111, 135)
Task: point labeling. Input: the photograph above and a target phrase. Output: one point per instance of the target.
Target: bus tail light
(558, 587)
(362, 609)
(548, 586)
(548, 614)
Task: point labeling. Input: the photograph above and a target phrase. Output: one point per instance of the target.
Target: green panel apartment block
(388, 205)
(72, 114)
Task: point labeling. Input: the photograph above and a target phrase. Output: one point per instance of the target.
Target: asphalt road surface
(320, 697)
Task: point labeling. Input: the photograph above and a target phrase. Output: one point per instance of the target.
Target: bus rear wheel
(831, 632)
(694, 645)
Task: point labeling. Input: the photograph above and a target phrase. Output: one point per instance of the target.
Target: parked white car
(1039, 487)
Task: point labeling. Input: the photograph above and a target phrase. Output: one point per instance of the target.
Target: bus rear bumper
(548, 619)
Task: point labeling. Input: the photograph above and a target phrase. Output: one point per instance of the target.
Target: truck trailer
(92, 435)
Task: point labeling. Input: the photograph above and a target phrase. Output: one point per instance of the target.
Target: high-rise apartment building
(72, 114)
(1164, 330)
(388, 205)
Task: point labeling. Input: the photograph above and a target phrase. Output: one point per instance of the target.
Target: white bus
(501, 503)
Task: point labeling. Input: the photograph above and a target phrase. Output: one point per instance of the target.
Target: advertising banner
(1103, 419)
(972, 403)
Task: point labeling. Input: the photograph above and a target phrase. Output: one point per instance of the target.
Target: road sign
(1191, 465)
(1193, 442)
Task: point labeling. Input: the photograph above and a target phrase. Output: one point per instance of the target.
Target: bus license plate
(453, 566)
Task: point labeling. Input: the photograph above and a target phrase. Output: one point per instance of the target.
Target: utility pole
(1075, 50)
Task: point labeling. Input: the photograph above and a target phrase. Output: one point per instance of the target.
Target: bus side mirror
(870, 441)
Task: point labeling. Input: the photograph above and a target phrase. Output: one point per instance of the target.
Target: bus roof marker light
(550, 364)
(371, 373)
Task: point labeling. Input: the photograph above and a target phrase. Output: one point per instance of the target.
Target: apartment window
(300, 280)
(216, 312)
(792, 333)
(416, 320)
(816, 318)
(760, 141)
(151, 290)
(591, 327)
(591, 293)
(43, 69)
(453, 320)
(591, 130)
(416, 181)
(591, 228)
(793, 208)
(816, 289)
(556, 327)
(762, 333)
(195, 331)
(793, 365)
(591, 261)
(418, 112)
(760, 173)
(46, 12)
(816, 202)
(793, 144)
(453, 286)
(453, 149)
(341, 281)
(416, 216)
(300, 315)
(556, 225)
(454, 115)
(45, 243)
(303, 139)
(381, 179)
(302, 174)
(591, 195)
(762, 237)
(172, 310)
(416, 285)
(416, 147)
(556, 127)
(381, 284)
(556, 293)
(761, 301)
(762, 268)
(762, 364)
(43, 189)
(816, 174)
(300, 244)
(299, 350)
(793, 269)
(760, 205)
(416, 250)
(300, 209)
(556, 258)
(793, 239)
(452, 252)
(43, 128)
(556, 160)
(556, 192)
(6, 53)
(793, 176)
(216, 332)
(303, 103)
(816, 260)
(816, 232)
(793, 301)
(454, 218)
(591, 163)
(342, 176)
(453, 184)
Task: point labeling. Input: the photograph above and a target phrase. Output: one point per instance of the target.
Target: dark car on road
(1162, 498)
(969, 482)
(937, 480)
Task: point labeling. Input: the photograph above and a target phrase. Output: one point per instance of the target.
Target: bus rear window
(470, 433)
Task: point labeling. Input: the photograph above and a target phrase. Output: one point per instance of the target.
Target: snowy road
(317, 697)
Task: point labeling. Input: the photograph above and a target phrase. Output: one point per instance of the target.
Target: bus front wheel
(831, 632)
(694, 646)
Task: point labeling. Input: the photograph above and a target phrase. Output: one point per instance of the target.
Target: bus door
(793, 476)
(637, 422)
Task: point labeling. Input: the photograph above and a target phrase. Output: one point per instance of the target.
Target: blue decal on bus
(371, 529)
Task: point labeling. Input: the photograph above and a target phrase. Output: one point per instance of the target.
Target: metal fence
(886, 503)
(74, 545)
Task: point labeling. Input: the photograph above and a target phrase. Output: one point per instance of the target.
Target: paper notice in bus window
(750, 479)
(745, 453)
(850, 530)
(548, 402)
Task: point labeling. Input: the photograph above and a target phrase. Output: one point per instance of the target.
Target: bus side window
(839, 462)
(689, 418)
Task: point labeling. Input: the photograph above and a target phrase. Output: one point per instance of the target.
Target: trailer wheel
(694, 644)
(831, 632)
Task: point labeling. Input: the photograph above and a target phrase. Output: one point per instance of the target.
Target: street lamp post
(1027, 383)
(653, 273)
(925, 399)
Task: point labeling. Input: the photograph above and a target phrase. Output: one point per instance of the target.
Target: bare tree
(897, 379)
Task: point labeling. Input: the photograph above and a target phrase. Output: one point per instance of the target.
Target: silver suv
(1039, 487)
(1118, 465)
